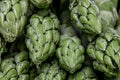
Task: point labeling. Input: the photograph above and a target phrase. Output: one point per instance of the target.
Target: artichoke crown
(105, 52)
(42, 35)
(12, 18)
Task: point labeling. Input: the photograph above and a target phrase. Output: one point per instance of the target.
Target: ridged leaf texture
(41, 3)
(12, 18)
(51, 71)
(15, 67)
(105, 52)
(42, 36)
(70, 52)
(85, 74)
(85, 16)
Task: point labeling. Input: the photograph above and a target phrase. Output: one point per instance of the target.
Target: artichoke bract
(12, 18)
(105, 52)
(42, 36)
(51, 71)
(15, 67)
(85, 74)
(41, 3)
(108, 12)
(85, 16)
(70, 52)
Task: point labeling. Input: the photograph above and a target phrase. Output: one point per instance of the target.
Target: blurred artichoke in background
(108, 12)
(51, 71)
(41, 3)
(42, 36)
(85, 74)
(12, 18)
(115, 2)
(105, 52)
(70, 52)
(15, 67)
(85, 16)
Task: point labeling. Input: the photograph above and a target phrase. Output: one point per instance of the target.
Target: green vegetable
(15, 67)
(85, 16)
(12, 18)
(41, 3)
(42, 36)
(70, 52)
(85, 74)
(108, 12)
(115, 2)
(51, 71)
(105, 51)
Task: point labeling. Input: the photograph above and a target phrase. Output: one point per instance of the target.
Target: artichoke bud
(15, 67)
(70, 51)
(51, 71)
(12, 18)
(85, 74)
(104, 51)
(108, 12)
(84, 15)
(42, 36)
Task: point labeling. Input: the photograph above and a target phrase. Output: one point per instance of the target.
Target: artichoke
(15, 67)
(42, 36)
(108, 12)
(105, 52)
(70, 52)
(41, 3)
(12, 18)
(51, 71)
(85, 16)
(85, 74)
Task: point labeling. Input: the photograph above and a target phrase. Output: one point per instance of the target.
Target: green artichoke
(42, 36)
(12, 18)
(51, 71)
(85, 16)
(41, 3)
(85, 74)
(15, 67)
(108, 12)
(105, 52)
(70, 52)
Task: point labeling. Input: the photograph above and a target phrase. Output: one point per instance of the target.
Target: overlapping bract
(42, 36)
(70, 52)
(15, 67)
(108, 12)
(105, 52)
(41, 3)
(12, 18)
(85, 74)
(85, 16)
(51, 71)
